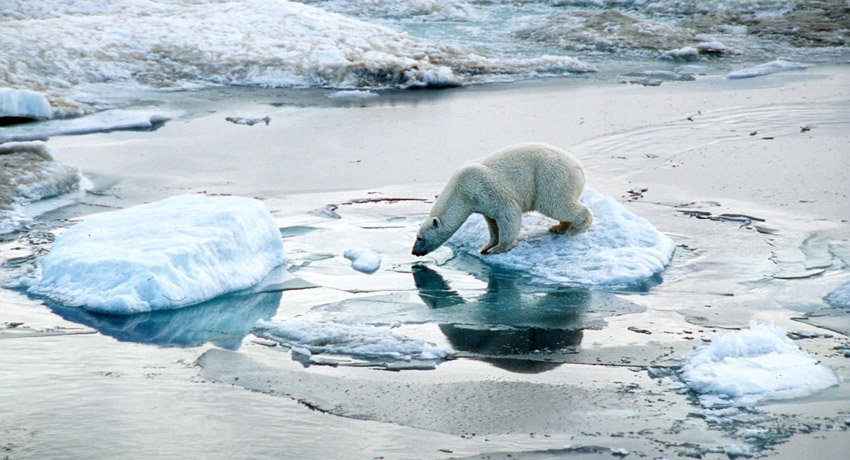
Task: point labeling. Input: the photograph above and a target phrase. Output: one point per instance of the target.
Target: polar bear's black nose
(419, 248)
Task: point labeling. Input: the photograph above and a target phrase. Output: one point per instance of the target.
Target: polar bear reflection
(515, 328)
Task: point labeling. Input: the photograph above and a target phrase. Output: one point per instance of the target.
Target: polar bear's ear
(435, 222)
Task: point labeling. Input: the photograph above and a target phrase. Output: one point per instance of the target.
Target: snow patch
(168, 254)
(752, 365)
(620, 249)
(364, 260)
(840, 296)
(24, 104)
(767, 68)
(356, 340)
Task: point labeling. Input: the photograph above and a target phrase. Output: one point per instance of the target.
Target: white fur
(501, 187)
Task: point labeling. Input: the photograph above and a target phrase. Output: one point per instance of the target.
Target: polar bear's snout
(419, 247)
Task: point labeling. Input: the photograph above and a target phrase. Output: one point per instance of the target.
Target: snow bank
(110, 120)
(355, 340)
(619, 249)
(24, 104)
(840, 297)
(364, 260)
(192, 43)
(168, 254)
(766, 69)
(752, 365)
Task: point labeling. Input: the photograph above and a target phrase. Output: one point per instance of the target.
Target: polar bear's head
(432, 234)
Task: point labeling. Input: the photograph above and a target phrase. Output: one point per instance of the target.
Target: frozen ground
(535, 371)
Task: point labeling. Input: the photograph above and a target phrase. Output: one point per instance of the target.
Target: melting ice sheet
(168, 254)
(110, 120)
(620, 249)
(356, 340)
(753, 365)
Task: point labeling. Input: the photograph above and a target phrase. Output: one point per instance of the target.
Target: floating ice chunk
(168, 254)
(355, 340)
(684, 53)
(17, 103)
(364, 260)
(712, 48)
(766, 69)
(840, 296)
(354, 94)
(619, 249)
(752, 365)
(110, 120)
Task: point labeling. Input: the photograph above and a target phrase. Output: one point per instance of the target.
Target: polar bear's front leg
(494, 235)
(508, 227)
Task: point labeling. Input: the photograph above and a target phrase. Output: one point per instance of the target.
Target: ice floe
(28, 175)
(752, 365)
(168, 254)
(356, 340)
(16, 103)
(767, 68)
(109, 120)
(840, 296)
(620, 249)
(364, 260)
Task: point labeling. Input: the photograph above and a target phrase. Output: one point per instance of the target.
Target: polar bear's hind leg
(561, 228)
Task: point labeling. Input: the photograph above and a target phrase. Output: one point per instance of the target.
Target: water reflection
(223, 321)
(511, 325)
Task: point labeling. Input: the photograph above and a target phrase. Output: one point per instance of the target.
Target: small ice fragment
(21, 103)
(353, 94)
(685, 53)
(752, 365)
(364, 260)
(766, 69)
(734, 450)
(249, 121)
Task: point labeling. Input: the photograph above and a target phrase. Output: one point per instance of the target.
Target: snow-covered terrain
(172, 253)
(620, 249)
(753, 365)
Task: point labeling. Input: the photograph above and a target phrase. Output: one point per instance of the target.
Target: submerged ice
(168, 254)
(356, 340)
(753, 365)
(620, 249)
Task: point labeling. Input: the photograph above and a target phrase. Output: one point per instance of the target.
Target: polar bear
(501, 187)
